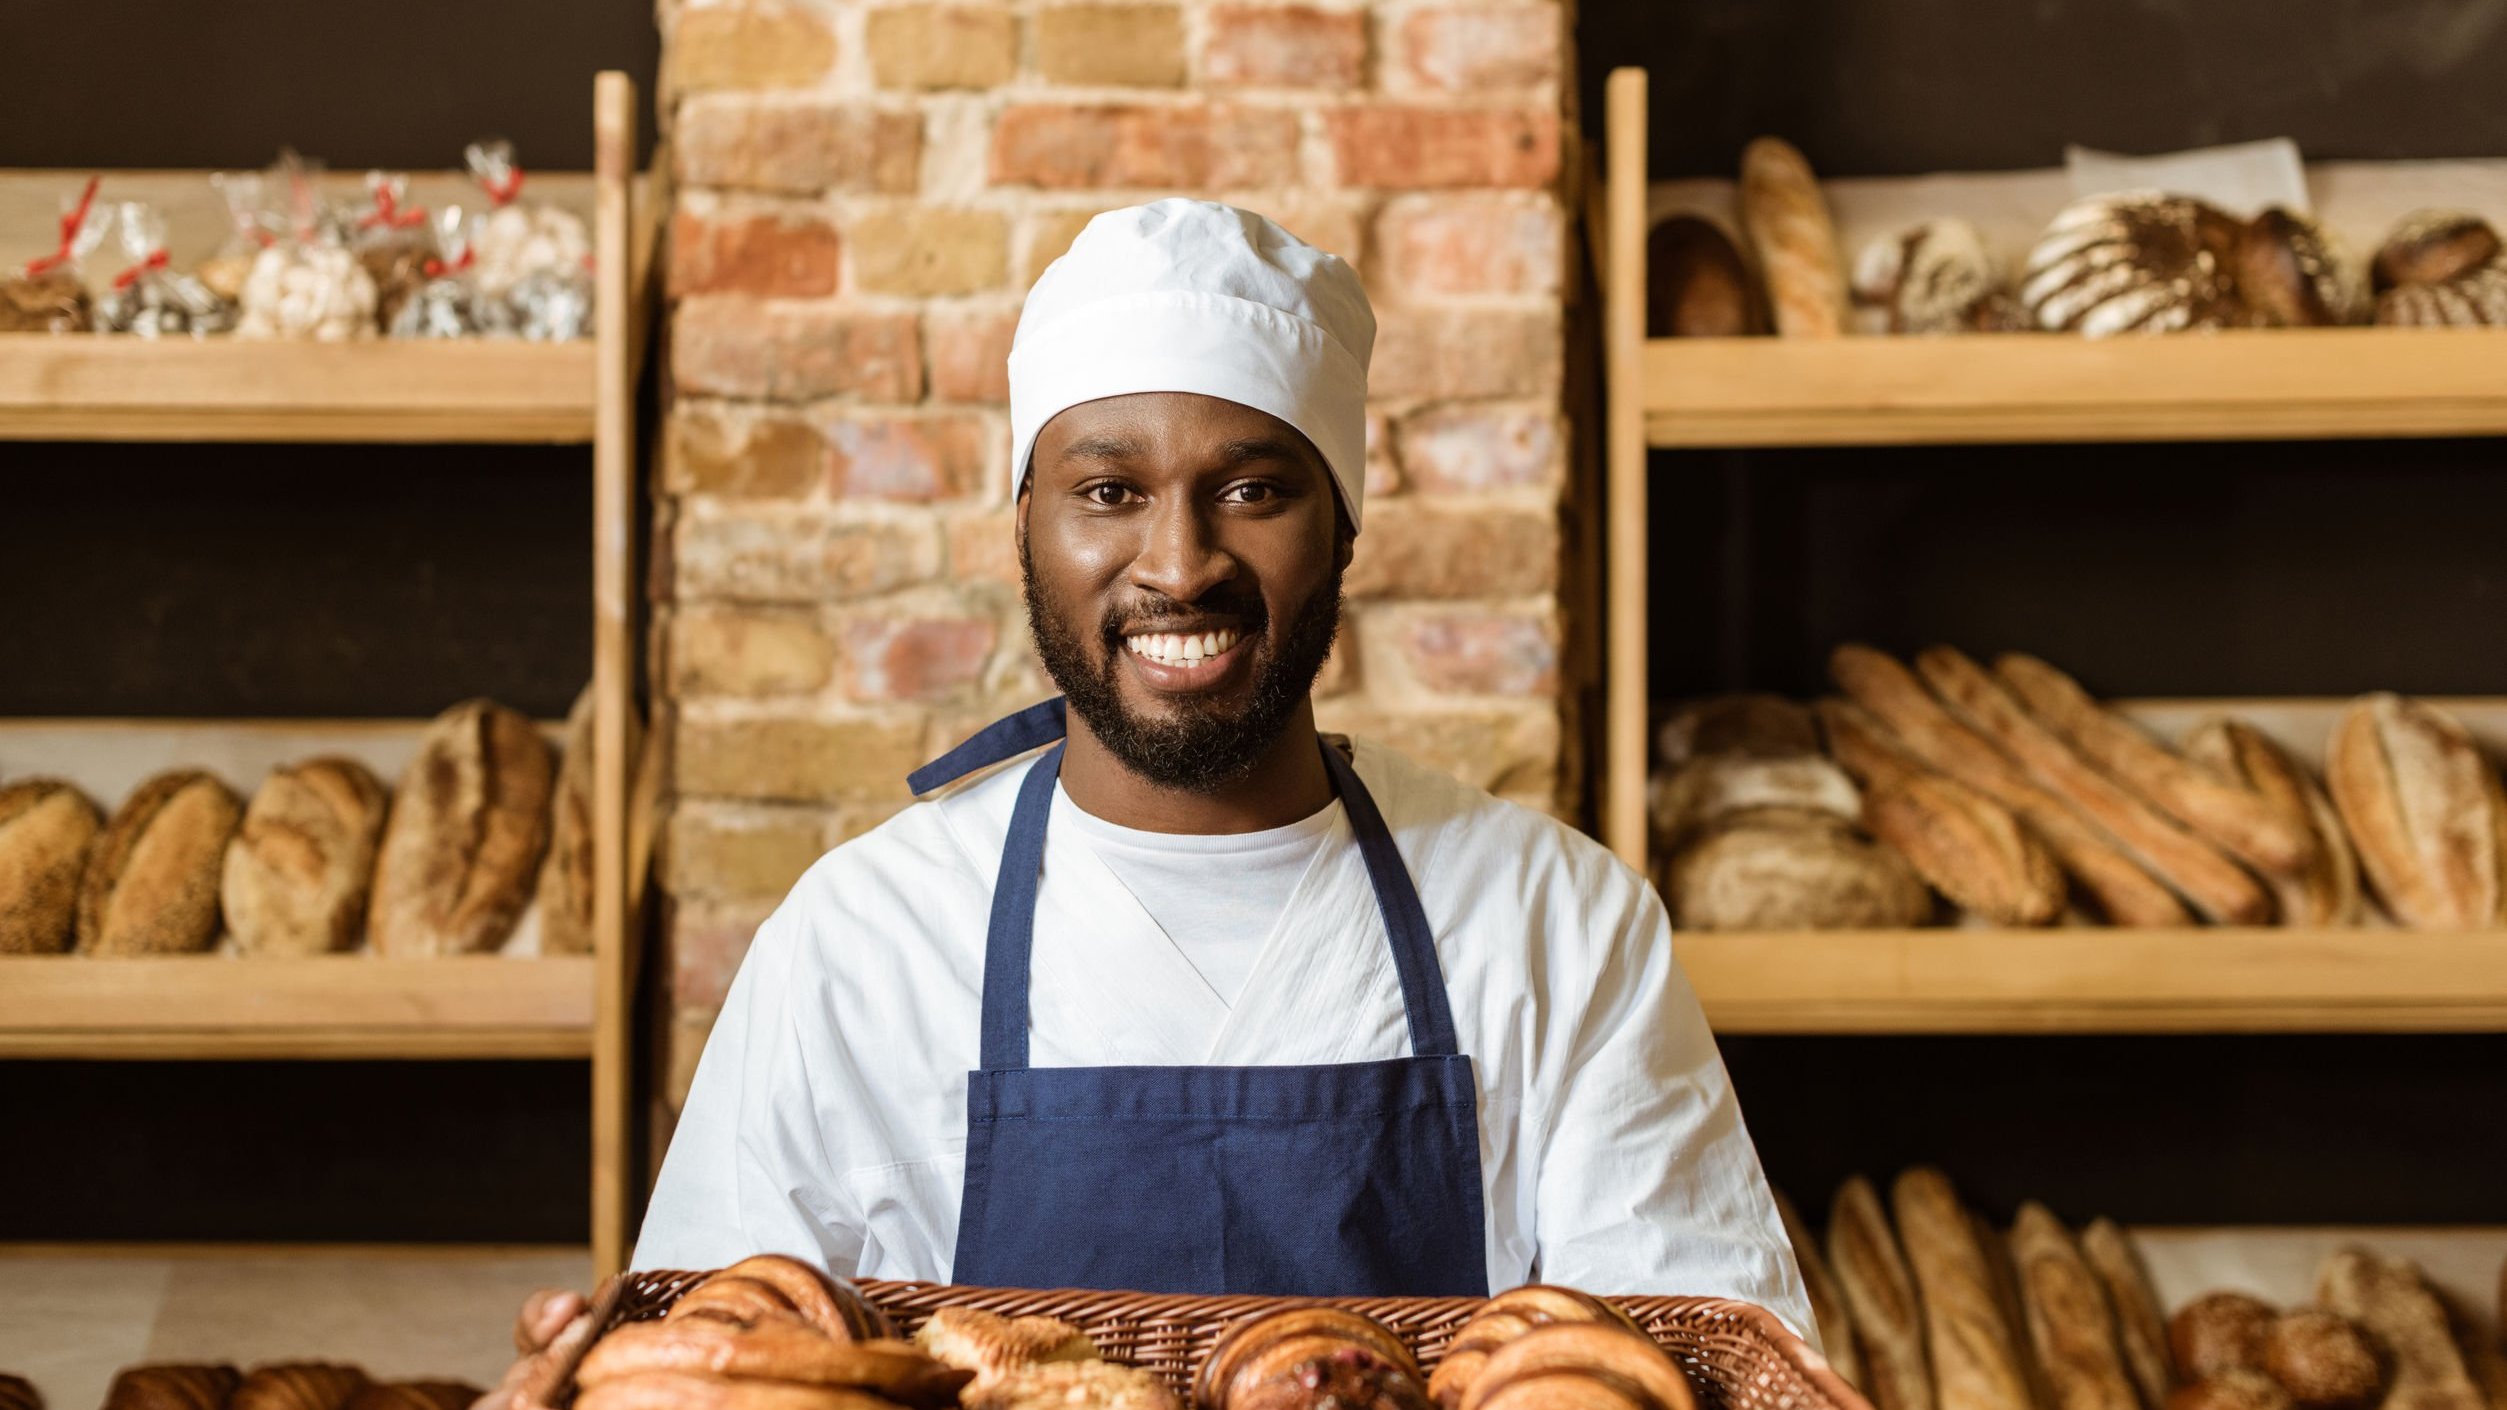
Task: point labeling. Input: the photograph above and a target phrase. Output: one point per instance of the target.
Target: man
(1193, 1000)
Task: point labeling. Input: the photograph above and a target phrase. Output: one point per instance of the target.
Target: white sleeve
(1648, 1182)
(748, 1170)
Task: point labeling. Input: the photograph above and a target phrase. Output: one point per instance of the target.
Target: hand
(551, 1322)
(544, 1314)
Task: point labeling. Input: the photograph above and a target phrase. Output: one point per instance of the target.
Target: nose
(1180, 557)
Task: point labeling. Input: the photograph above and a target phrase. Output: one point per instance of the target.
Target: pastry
(1936, 277)
(1501, 1320)
(1828, 1307)
(2215, 886)
(19, 1393)
(2294, 273)
(2140, 1332)
(2138, 262)
(2434, 246)
(1275, 1343)
(2323, 1360)
(1975, 1357)
(1696, 285)
(151, 886)
(296, 877)
(2326, 890)
(2065, 1308)
(1583, 1349)
(565, 891)
(2118, 887)
(1767, 726)
(833, 1305)
(1706, 791)
(775, 1351)
(468, 829)
(1786, 219)
(2220, 1331)
(2209, 802)
(1563, 1390)
(171, 1388)
(679, 1390)
(1791, 869)
(1082, 1385)
(992, 1346)
(302, 1385)
(2390, 1302)
(2241, 1389)
(47, 828)
(2425, 810)
(1881, 1297)
(1544, 1303)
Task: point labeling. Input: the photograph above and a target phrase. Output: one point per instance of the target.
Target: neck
(1287, 784)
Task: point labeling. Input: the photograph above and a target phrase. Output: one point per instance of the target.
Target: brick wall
(865, 191)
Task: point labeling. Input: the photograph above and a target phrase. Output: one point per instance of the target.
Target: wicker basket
(1739, 1357)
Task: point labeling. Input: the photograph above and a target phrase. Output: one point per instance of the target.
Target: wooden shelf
(2100, 981)
(333, 1006)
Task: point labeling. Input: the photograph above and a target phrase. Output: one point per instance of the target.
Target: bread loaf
(1936, 277)
(2141, 1333)
(296, 876)
(47, 828)
(2323, 1360)
(1696, 284)
(416, 1395)
(2425, 810)
(1705, 791)
(2326, 890)
(2213, 804)
(565, 892)
(2196, 870)
(171, 1388)
(469, 827)
(151, 886)
(19, 1393)
(2220, 1331)
(2068, 1319)
(2240, 1389)
(2434, 246)
(1765, 726)
(2474, 299)
(2389, 1300)
(2134, 263)
(1880, 1298)
(2484, 1355)
(1786, 219)
(1791, 869)
(1975, 1356)
(1828, 1306)
(304, 1385)
(2116, 886)
(2294, 273)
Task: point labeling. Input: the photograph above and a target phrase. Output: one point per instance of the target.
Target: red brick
(1284, 46)
(970, 353)
(924, 250)
(1416, 548)
(737, 347)
(916, 459)
(942, 46)
(1110, 46)
(1401, 147)
(810, 758)
(916, 658)
(1511, 750)
(1455, 353)
(1481, 653)
(708, 939)
(767, 255)
(1478, 48)
(1473, 244)
(984, 548)
(792, 556)
(709, 451)
(748, 46)
(1466, 449)
(799, 146)
(741, 651)
(742, 851)
(1096, 145)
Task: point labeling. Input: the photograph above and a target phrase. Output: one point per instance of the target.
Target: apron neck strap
(1006, 738)
(1009, 943)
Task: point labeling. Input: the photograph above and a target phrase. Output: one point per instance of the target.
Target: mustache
(1244, 609)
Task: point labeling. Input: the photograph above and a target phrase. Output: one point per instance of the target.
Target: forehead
(1179, 428)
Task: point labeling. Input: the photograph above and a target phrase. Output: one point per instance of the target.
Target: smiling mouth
(1182, 648)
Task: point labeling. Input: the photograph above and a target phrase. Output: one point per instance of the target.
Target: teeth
(1173, 649)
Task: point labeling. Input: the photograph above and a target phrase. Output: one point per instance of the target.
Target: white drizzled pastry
(2442, 269)
(1936, 277)
(2140, 262)
(2294, 273)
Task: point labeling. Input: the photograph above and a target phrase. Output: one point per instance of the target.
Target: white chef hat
(1194, 296)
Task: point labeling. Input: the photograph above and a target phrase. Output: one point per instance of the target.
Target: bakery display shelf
(87, 387)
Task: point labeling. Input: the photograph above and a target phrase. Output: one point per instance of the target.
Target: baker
(1159, 989)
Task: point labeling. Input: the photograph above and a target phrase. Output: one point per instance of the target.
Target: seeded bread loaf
(47, 828)
(151, 886)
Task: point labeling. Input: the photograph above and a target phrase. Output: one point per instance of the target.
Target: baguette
(1786, 219)
(2388, 1298)
(2141, 1331)
(2326, 890)
(2208, 802)
(2199, 872)
(1828, 1306)
(1969, 847)
(2425, 810)
(1975, 1359)
(1880, 1298)
(2006, 1298)
(2115, 884)
(2069, 1322)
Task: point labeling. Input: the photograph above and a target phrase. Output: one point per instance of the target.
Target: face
(1183, 560)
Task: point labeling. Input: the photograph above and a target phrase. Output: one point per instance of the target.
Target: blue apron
(1345, 1179)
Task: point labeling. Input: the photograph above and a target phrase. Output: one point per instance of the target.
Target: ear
(1344, 544)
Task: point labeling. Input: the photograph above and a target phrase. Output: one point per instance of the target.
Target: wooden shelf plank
(2100, 981)
(2254, 384)
(331, 1006)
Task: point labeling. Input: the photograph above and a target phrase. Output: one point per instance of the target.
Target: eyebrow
(1103, 448)
(1252, 448)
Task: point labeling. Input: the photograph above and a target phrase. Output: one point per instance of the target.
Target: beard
(1204, 745)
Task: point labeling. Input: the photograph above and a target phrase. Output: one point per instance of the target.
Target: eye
(1251, 492)
(1106, 493)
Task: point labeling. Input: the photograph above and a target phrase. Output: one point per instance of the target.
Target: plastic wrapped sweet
(50, 297)
(448, 304)
(151, 299)
(537, 259)
(251, 228)
(309, 289)
(394, 243)
(551, 306)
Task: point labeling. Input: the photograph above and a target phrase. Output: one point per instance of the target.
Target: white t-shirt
(1218, 897)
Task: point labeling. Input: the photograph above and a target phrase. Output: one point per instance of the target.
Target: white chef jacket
(828, 1115)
